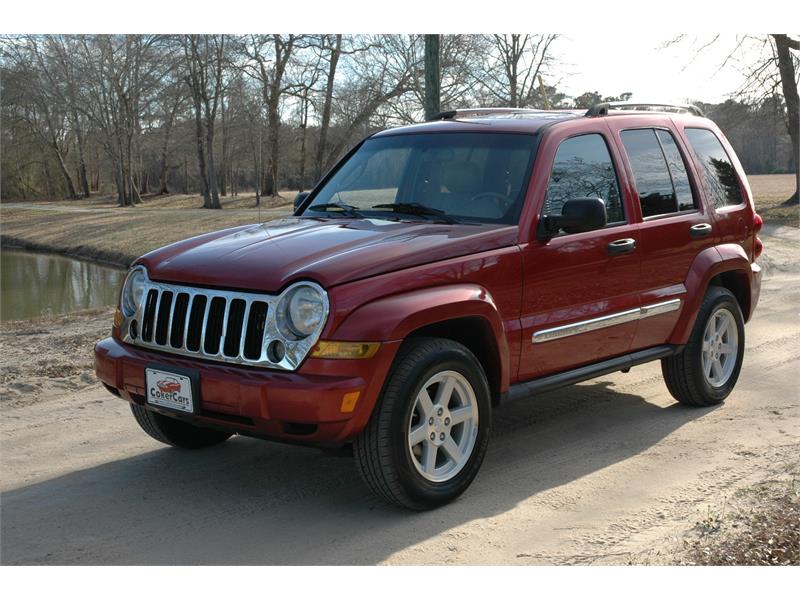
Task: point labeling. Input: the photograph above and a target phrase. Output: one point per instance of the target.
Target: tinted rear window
(716, 169)
(653, 181)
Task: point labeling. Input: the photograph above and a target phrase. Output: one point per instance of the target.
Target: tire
(175, 432)
(391, 463)
(684, 373)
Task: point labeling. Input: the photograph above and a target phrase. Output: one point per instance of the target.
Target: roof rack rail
(602, 109)
(477, 112)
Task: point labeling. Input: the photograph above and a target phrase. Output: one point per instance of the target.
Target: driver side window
(583, 169)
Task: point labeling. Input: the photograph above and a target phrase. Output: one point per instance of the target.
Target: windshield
(450, 177)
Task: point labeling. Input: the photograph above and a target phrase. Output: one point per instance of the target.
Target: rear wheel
(428, 435)
(706, 372)
(175, 432)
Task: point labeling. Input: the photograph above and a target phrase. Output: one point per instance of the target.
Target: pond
(36, 285)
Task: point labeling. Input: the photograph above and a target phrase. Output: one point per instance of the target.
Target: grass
(96, 229)
(770, 191)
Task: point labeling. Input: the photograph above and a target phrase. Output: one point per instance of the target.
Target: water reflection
(35, 285)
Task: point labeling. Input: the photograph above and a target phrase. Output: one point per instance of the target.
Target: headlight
(133, 290)
(300, 311)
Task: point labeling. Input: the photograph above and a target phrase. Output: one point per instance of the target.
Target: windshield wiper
(345, 209)
(417, 209)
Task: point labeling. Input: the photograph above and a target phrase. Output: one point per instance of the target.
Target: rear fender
(396, 317)
(724, 258)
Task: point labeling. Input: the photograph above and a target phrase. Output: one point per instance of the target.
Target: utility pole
(433, 76)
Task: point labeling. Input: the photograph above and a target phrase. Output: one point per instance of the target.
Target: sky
(612, 64)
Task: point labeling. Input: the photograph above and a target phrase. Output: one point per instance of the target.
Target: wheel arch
(464, 313)
(725, 265)
(474, 333)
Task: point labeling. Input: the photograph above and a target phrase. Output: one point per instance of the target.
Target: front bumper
(303, 406)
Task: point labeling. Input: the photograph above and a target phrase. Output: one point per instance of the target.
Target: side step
(620, 363)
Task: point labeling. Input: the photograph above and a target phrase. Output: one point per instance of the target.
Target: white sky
(612, 64)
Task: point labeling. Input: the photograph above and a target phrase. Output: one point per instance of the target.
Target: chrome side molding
(634, 314)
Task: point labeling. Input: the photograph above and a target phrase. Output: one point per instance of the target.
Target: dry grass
(770, 191)
(763, 529)
(100, 231)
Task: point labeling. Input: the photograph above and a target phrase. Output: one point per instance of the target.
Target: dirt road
(610, 471)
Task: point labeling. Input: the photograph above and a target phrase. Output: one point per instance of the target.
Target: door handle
(700, 230)
(622, 246)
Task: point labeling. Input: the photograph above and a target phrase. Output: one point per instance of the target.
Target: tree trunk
(326, 108)
(223, 180)
(83, 180)
(432, 76)
(786, 68)
(163, 188)
(120, 179)
(303, 130)
(212, 174)
(64, 171)
(201, 155)
(274, 145)
(133, 191)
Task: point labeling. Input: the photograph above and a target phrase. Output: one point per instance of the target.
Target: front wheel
(428, 435)
(706, 371)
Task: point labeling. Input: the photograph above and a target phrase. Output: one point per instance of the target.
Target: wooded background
(217, 115)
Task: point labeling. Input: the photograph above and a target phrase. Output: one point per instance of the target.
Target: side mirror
(577, 215)
(299, 199)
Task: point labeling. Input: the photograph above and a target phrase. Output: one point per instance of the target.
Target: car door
(675, 227)
(580, 295)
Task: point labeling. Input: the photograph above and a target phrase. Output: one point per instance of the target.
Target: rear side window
(715, 167)
(659, 171)
(677, 168)
(583, 169)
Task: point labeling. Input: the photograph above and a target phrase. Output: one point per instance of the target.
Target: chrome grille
(226, 326)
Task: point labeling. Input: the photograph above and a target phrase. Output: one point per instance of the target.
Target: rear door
(675, 228)
(580, 297)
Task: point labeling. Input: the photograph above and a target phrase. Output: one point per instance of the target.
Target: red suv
(439, 269)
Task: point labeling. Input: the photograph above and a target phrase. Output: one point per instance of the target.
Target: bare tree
(43, 106)
(774, 72)
(205, 57)
(267, 60)
(514, 65)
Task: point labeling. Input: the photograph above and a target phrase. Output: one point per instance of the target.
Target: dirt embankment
(47, 357)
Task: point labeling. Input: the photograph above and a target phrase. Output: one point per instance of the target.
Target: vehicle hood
(330, 251)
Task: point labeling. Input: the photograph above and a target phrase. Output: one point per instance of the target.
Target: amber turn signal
(345, 349)
(349, 401)
(117, 318)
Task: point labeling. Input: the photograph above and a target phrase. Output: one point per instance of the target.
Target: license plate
(168, 389)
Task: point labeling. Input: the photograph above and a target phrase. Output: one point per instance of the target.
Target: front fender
(708, 264)
(395, 317)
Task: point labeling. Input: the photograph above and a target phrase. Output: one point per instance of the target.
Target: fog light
(345, 349)
(349, 401)
(276, 351)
